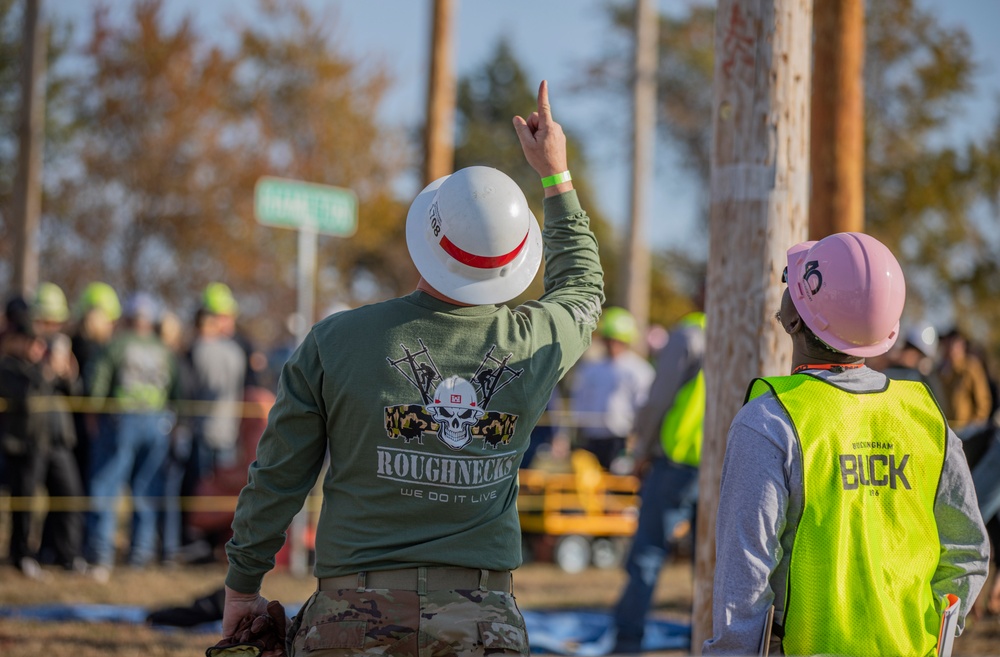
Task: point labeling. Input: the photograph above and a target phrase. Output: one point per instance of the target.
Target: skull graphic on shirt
(456, 410)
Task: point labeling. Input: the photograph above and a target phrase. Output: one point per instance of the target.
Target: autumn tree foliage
(487, 99)
(166, 129)
(925, 193)
(157, 132)
(310, 114)
(174, 127)
(10, 21)
(931, 192)
(684, 129)
(151, 202)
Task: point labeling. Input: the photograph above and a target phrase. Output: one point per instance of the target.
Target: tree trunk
(759, 208)
(643, 142)
(31, 135)
(838, 123)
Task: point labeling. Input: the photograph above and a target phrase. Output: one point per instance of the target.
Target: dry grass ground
(538, 586)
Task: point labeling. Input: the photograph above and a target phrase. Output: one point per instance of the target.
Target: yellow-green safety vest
(867, 546)
(682, 428)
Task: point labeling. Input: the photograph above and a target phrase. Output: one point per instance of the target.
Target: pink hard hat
(849, 290)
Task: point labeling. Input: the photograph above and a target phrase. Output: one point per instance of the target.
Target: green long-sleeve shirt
(425, 408)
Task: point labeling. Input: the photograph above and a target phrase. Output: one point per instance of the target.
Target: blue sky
(553, 40)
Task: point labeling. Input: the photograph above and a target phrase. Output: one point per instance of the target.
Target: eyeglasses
(784, 275)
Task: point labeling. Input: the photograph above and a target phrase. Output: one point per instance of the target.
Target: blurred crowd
(110, 397)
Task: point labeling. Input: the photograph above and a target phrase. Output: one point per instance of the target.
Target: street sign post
(308, 208)
(295, 204)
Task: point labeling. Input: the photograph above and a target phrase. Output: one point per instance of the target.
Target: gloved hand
(239, 605)
(259, 628)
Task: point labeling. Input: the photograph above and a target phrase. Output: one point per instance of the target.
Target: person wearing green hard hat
(100, 296)
(218, 299)
(49, 313)
(138, 377)
(607, 392)
(618, 325)
(218, 371)
(49, 310)
(219, 303)
(50, 375)
(95, 312)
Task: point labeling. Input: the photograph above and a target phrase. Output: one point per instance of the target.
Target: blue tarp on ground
(65, 613)
(571, 632)
(587, 633)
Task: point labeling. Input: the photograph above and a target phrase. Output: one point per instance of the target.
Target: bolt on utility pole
(439, 133)
(759, 208)
(647, 34)
(837, 153)
(31, 135)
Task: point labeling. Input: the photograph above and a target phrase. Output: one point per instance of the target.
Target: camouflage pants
(398, 623)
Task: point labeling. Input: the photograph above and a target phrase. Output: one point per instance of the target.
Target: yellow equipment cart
(578, 518)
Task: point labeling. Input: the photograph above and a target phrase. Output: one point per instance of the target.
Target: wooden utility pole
(439, 135)
(31, 135)
(647, 34)
(759, 208)
(838, 127)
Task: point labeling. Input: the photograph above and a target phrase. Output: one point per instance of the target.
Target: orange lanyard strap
(836, 368)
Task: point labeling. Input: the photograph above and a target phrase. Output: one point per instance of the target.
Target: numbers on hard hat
(435, 220)
(812, 271)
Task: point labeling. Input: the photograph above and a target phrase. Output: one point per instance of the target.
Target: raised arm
(544, 143)
(573, 280)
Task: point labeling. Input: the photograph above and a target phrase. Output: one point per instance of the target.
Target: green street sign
(295, 204)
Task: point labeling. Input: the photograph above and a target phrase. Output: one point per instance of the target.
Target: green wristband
(557, 179)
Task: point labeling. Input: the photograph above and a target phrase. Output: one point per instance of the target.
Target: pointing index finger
(544, 109)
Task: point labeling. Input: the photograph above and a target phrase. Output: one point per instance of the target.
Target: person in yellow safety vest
(846, 501)
(667, 452)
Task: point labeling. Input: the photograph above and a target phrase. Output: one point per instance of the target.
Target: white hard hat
(455, 392)
(472, 236)
(924, 337)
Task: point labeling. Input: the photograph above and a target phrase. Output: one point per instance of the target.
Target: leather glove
(238, 605)
(251, 627)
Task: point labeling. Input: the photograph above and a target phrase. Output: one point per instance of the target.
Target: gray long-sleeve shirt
(607, 392)
(219, 366)
(762, 473)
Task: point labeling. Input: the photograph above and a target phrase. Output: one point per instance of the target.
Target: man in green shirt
(425, 404)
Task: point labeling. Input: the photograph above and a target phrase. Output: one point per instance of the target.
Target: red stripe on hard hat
(478, 261)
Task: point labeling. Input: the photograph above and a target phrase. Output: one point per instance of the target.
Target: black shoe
(627, 646)
(206, 609)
